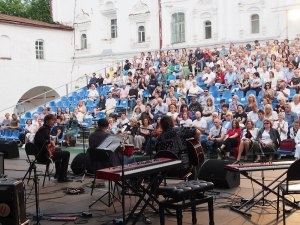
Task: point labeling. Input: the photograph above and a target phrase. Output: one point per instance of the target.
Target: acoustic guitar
(51, 146)
(196, 154)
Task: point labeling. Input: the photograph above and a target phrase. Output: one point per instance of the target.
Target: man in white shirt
(278, 73)
(110, 104)
(195, 90)
(199, 123)
(282, 91)
(124, 92)
(93, 93)
(253, 115)
(208, 77)
(265, 75)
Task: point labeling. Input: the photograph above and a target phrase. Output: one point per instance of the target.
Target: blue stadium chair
(99, 115)
(89, 104)
(226, 95)
(64, 99)
(22, 121)
(39, 109)
(88, 121)
(215, 94)
(171, 77)
(240, 94)
(14, 136)
(27, 115)
(213, 89)
(7, 134)
(71, 109)
(260, 94)
(54, 109)
(52, 103)
(292, 93)
(145, 94)
(123, 104)
(59, 104)
(199, 81)
(250, 92)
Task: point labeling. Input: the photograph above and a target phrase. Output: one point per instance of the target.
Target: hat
(103, 122)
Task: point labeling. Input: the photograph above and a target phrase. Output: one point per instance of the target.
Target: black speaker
(78, 164)
(10, 149)
(214, 171)
(12, 202)
(1, 164)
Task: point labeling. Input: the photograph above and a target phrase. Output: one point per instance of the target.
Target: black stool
(185, 195)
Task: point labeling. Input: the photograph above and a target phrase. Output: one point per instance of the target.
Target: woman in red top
(231, 139)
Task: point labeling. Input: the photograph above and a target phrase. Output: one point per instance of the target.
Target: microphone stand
(35, 180)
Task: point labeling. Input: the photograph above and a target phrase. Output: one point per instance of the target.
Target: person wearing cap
(93, 80)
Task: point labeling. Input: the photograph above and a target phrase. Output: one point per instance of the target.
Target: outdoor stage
(55, 202)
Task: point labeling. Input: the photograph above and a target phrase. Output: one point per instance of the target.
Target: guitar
(196, 154)
(51, 146)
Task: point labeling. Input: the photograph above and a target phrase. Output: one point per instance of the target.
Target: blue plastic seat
(226, 95)
(27, 115)
(250, 92)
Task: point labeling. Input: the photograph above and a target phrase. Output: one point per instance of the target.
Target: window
(141, 34)
(114, 28)
(83, 41)
(5, 47)
(39, 49)
(255, 24)
(177, 28)
(207, 25)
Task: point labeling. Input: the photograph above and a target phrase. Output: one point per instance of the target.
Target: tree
(32, 9)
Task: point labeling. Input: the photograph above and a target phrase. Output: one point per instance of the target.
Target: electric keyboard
(138, 169)
(259, 166)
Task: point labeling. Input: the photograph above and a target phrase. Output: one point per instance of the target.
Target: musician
(100, 134)
(47, 149)
(174, 138)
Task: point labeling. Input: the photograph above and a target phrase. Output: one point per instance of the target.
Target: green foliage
(32, 9)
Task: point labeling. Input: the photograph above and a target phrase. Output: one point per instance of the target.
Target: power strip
(63, 218)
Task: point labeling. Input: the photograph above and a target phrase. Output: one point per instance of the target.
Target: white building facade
(108, 31)
(34, 57)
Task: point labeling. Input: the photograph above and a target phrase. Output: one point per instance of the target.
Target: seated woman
(256, 83)
(282, 126)
(143, 134)
(183, 109)
(251, 101)
(71, 130)
(268, 91)
(244, 84)
(280, 107)
(270, 114)
(186, 121)
(136, 113)
(209, 108)
(101, 105)
(231, 139)
(248, 137)
(268, 139)
(227, 123)
(172, 111)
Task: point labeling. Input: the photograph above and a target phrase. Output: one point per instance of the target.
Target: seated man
(215, 138)
(47, 149)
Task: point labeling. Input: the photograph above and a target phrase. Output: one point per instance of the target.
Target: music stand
(83, 128)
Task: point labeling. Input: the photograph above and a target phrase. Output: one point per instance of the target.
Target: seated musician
(47, 149)
(100, 134)
(173, 139)
(248, 140)
(268, 139)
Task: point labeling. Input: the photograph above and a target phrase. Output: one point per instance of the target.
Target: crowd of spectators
(225, 87)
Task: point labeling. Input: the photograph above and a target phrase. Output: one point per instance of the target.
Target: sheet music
(111, 143)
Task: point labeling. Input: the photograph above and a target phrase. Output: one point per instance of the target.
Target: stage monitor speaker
(78, 164)
(214, 171)
(12, 202)
(10, 149)
(1, 164)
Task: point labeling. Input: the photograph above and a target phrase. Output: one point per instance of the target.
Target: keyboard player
(100, 135)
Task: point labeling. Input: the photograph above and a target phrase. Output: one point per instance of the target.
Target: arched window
(178, 28)
(141, 34)
(39, 49)
(5, 47)
(83, 41)
(254, 24)
(207, 27)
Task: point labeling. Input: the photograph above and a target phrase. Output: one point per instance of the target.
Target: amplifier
(12, 202)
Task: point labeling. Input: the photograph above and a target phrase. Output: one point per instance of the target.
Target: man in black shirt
(132, 96)
(240, 115)
(93, 80)
(44, 143)
(195, 106)
(99, 80)
(147, 114)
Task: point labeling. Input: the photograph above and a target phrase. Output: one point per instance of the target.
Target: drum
(128, 149)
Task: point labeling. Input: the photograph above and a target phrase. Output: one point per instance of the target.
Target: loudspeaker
(214, 171)
(10, 149)
(1, 164)
(12, 202)
(78, 164)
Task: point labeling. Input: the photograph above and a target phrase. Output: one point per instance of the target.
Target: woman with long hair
(250, 102)
(231, 139)
(268, 91)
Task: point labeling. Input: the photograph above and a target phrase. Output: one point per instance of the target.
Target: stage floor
(55, 202)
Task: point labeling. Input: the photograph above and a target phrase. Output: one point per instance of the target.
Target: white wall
(23, 71)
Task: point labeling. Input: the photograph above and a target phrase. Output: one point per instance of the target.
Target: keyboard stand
(266, 190)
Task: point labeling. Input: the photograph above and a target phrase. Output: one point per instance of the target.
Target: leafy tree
(32, 9)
